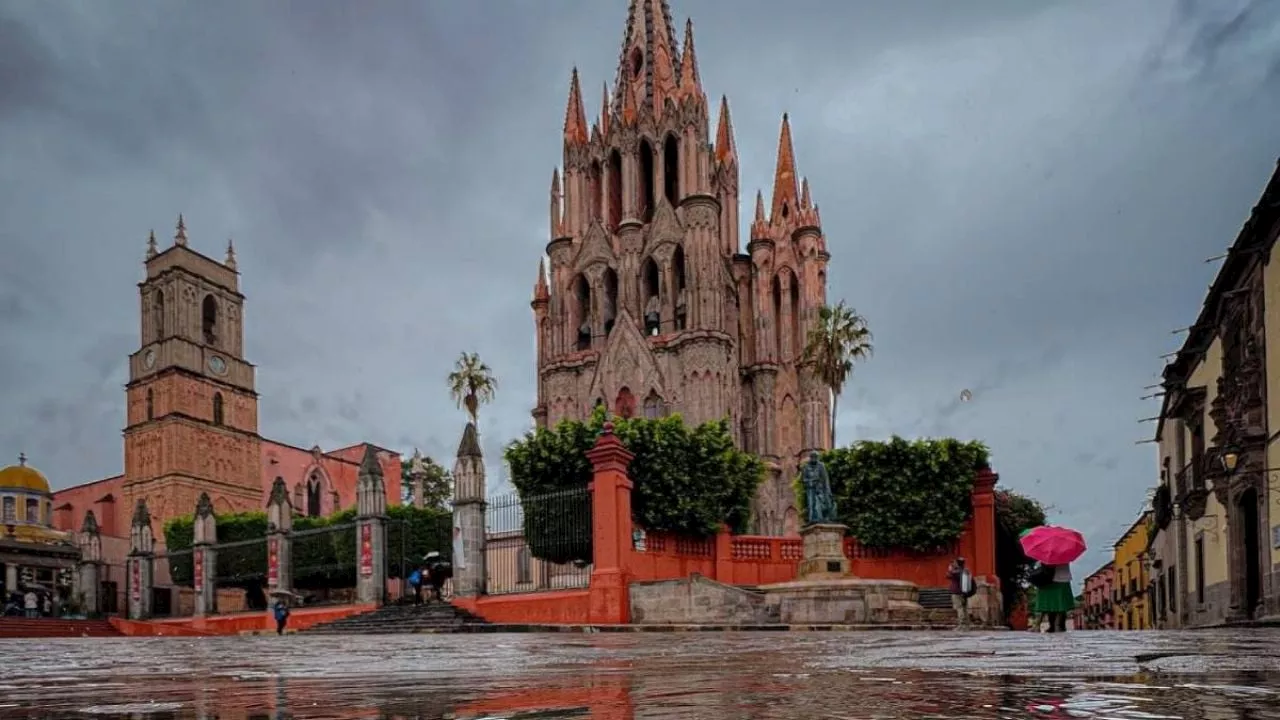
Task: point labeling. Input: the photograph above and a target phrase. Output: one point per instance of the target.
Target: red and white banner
(273, 562)
(366, 550)
(198, 564)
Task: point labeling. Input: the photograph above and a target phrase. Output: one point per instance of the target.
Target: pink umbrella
(1053, 545)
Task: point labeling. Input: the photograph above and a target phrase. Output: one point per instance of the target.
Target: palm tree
(472, 383)
(837, 339)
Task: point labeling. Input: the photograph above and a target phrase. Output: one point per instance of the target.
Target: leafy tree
(839, 338)
(437, 483)
(472, 383)
(686, 480)
(913, 494)
(1014, 514)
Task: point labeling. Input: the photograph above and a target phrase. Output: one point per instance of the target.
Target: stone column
(140, 562)
(469, 569)
(89, 569)
(418, 469)
(279, 538)
(204, 558)
(611, 540)
(371, 530)
(983, 564)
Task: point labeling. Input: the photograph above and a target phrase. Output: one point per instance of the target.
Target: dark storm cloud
(1017, 195)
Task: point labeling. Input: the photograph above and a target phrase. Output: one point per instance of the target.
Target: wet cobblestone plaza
(1138, 676)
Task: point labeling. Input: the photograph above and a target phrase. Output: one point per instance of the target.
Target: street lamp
(1230, 460)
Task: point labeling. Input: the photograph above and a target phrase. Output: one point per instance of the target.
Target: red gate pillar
(984, 524)
(610, 600)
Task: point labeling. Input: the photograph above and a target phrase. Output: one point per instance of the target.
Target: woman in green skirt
(1054, 598)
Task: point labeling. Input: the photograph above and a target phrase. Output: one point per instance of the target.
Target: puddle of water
(783, 676)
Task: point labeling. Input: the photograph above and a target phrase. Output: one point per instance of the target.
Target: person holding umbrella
(1055, 548)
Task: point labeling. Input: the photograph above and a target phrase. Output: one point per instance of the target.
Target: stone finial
(90, 525)
(279, 508)
(152, 250)
(371, 495)
(204, 506)
(141, 515)
(180, 237)
(22, 459)
(230, 260)
(470, 444)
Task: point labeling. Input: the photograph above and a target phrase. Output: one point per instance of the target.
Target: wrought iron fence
(409, 541)
(240, 575)
(172, 589)
(323, 563)
(541, 542)
(113, 586)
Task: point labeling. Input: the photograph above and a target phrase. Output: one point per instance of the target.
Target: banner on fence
(198, 565)
(366, 549)
(273, 562)
(459, 556)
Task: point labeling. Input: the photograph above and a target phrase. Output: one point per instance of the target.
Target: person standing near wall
(962, 588)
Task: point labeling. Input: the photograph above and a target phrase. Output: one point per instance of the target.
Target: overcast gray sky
(1018, 196)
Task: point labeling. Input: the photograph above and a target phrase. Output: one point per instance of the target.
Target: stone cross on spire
(22, 459)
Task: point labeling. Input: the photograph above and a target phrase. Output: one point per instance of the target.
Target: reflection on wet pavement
(1123, 676)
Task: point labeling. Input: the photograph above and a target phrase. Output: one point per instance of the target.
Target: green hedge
(686, 480)
(325, 558)
(913, 494)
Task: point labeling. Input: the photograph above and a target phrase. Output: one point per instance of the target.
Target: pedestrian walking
(962, 587)
(415, 582)
(31, 603)
(282, 615)
(1054, 598)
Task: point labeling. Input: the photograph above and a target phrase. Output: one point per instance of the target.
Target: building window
(209, 320)
(33, 510)
(524, 571)
(1173, 590)
(1197, 453)
(217, 408)
(151, 404)
(10, 510)
(1199, 560)
(313, 495)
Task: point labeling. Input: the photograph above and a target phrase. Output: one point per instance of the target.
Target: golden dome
(23, 477)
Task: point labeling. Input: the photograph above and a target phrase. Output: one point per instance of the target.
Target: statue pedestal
(823, 556)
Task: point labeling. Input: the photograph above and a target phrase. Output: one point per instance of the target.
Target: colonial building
(1097, 608)
(649, 304)
(33, 555)
(1132, 576)
(1217, 551)
(191, 421)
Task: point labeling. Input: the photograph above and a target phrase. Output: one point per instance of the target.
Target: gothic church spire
(648, 63)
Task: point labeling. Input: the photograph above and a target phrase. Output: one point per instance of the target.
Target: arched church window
(610, 300)
(595, 179)
(644, 193)
(671, 169)
(217, 408)
(797, 321)
(313, 495)
(33, 510)
(10, 509)
(625, 404)
(653, 405)
(651, 287)
(615, 190)
(151, 404)
(582, 313)
(777, 316)
(209, 320)
(157, 314)
(682, 306)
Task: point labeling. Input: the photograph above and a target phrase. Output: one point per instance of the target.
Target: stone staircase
(17, 627)
(936, 603)
(432, 617)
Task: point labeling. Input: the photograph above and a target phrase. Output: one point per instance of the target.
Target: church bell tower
(192, 422)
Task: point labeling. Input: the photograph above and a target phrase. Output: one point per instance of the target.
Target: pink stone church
(650, 304)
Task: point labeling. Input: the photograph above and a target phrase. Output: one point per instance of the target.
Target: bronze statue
(820, 507)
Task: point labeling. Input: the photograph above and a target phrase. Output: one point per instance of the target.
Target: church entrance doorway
(1247, 512)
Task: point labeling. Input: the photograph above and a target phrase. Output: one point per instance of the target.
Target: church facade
(647, 301)
(191, 414)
